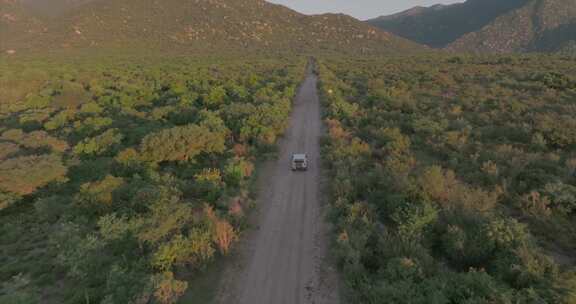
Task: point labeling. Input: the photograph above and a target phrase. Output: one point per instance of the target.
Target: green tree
(167, 216)
(563, 197)
(60, 120)
(413, 218)
(7, 149)
(168, 290)
(127, 285)
(100, 144)
(99, 196)
(215, 97)
(23, 175)
(193, 250)
(181, 144)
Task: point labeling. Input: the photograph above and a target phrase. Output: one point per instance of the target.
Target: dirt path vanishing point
(283, 261)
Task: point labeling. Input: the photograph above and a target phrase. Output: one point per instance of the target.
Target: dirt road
(283, 260)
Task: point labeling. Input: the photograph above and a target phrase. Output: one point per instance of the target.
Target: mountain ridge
(414, 11)
(438, 26)
(538, 26)
(206, 25)
(489, 26)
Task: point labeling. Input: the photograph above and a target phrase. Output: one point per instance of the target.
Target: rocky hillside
(440, 25)
(203, 25)
(538, 26)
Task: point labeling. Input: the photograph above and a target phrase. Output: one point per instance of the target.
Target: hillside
(439, 25)
(539, 26)
(204, 25)
(16, 22)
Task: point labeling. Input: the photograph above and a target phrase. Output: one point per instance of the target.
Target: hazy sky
(362, 9)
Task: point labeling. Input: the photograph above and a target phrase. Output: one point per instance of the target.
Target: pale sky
(361, 9)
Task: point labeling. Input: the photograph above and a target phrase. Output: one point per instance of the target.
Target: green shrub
(562, 196)
(24, 175)
(181, 144)
(412, 219)
(99, 145)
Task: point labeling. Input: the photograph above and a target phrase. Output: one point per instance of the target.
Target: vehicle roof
(299, 156)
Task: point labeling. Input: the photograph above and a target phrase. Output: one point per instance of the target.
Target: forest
(453, 178)
(120, 179)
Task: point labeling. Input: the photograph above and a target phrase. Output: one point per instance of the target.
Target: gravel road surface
(283, 260)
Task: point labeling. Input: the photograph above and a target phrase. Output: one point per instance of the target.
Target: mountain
(538, 26)
(492, 26)
(417, 11)
(439, 25)
(202, 25)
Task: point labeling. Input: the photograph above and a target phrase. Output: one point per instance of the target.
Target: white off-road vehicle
(299, 162)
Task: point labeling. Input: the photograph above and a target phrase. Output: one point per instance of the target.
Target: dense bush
(118, 178)
(449, 179)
